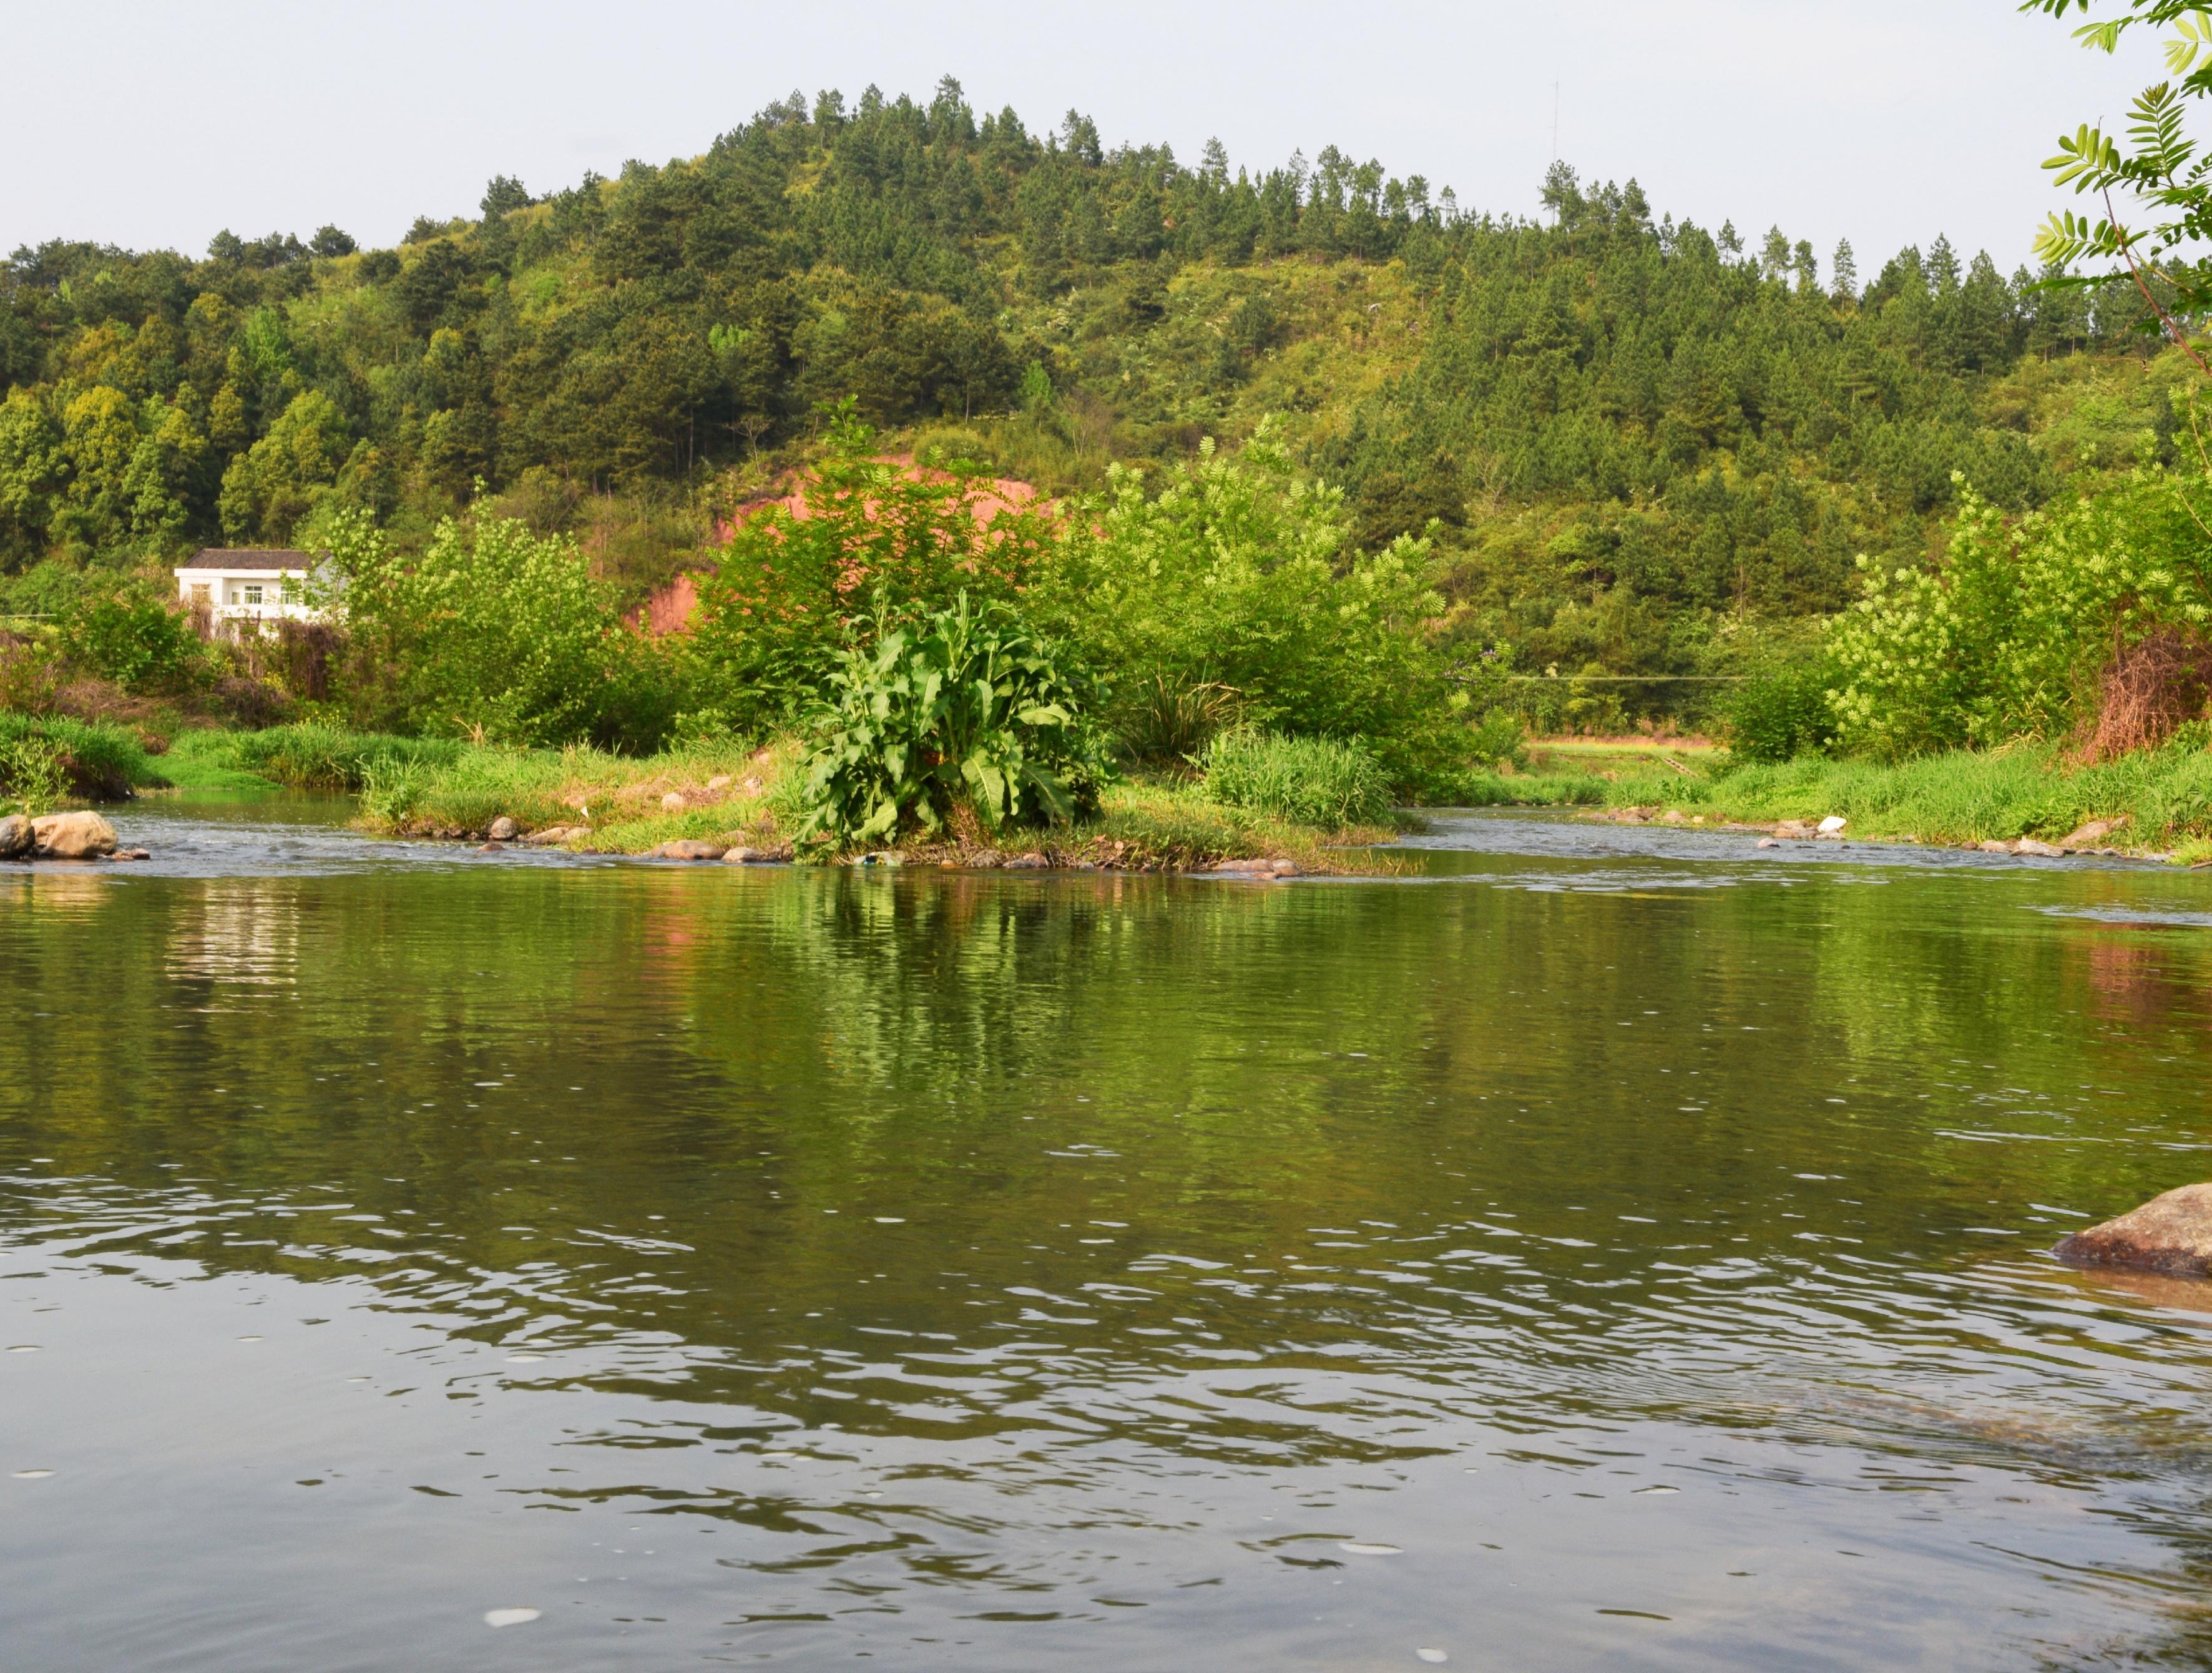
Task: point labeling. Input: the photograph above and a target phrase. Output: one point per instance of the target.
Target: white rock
(509, 1617)
(1833, 824)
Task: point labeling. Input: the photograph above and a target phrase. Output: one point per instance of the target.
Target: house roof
(250, 560)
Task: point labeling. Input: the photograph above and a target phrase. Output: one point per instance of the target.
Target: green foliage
(872, 546)
(2160, 167)
(1237, 577)
(309, 756)
(44, 759)
(32, 775)
(129, 635)
(966, 710)
(2005, 639)
(1326, 782)
(1782, 714)
(492, 631)
(281, 478)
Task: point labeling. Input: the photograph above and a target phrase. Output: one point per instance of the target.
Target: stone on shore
(672, 802)
(2170, 1234)
(1260, 867)
(1994, 847)
(742, 857)
(555, 833)
(73, 837)
(687, 848)
(503, 829)
(1028, 862)
(2090, 834)
(17, 839)
(2041, 850)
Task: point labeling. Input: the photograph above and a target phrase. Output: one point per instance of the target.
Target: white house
(243, 589)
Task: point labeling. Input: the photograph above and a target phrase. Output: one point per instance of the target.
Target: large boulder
(503, 829)
(16, 838)
(73, 837)
(2171, 1234)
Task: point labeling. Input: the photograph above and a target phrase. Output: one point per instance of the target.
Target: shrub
(132, 637)
(1315, 780)
(966, 710)
(1781, 714)
(493, 631)
(1239, 576)
(873, 547)
(2009, 635)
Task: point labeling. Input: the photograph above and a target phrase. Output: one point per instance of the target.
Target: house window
(253, 591)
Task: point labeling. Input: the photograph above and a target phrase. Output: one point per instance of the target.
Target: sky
(1884, 121)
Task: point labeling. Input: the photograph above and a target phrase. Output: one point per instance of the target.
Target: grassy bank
(726, 792)
(47, 758)
(733, 795)
(2164, 796)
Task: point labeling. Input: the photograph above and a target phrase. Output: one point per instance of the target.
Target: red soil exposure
(668, 609)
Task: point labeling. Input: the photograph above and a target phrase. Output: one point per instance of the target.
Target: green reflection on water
(1544, 1149)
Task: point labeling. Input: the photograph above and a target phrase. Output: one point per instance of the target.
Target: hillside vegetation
(1641, 447)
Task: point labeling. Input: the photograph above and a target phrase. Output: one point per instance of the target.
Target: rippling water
(1598, 1247)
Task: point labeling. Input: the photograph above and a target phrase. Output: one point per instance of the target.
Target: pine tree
(1845, 288)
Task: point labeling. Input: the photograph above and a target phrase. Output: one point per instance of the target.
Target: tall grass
(1323, 781)
(95, 759)
(306, 757)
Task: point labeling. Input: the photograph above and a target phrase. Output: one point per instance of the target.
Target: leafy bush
(872, 546)
(495, 631)
(1781, 714)
(131, 636)
(1237, 576)
(1315, 780)
(966, 710)
(2006, 638)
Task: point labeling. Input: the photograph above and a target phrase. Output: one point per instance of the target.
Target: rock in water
(16, 838)
(503, 829)
(73, 837)
(2171, 1234)
(686, 849)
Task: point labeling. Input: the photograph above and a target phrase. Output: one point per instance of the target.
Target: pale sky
(1885, 121)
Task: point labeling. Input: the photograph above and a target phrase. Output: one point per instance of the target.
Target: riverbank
(2156, 802)
(718, 795)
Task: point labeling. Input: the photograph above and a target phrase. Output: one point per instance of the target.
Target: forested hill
(1628, 429)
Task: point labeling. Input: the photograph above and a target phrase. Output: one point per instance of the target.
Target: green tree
(1237, 576)
(285, 476)
(34, 471)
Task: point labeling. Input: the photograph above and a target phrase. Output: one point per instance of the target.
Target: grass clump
(1324, 781)
(49, 757)
(304, 757)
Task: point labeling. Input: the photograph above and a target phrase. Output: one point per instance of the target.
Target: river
(1590, 1247)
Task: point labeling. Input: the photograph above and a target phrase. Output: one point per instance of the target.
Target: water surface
(1601, 1247)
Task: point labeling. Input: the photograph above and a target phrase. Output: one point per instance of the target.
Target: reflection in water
(1645, 1266)
(244, 931)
